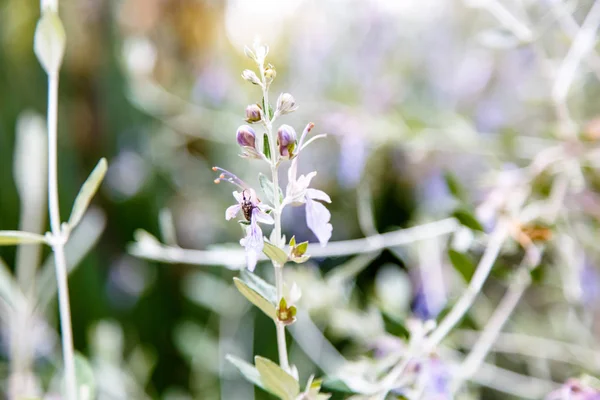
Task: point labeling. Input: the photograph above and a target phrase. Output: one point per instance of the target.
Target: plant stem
(268, 121)
(463, 304)
(482, 347)
(58, 247)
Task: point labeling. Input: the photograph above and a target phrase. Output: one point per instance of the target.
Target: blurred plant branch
(148, 247)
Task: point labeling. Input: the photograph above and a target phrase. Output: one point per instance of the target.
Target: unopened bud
(286, 104)
(250, 76)
(253, 113)
(270, 73)
(260, 51)
(246, 137)
(286, 139)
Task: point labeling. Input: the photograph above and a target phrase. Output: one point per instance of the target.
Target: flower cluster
(273, 147)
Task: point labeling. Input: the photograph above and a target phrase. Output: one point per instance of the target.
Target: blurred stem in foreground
(49, 47)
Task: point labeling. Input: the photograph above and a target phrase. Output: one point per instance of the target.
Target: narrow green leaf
(455, 187)
(259, 301)
(86, 382)
(275, 253)
(87, 191)
(462, 263)
(467, 219)
(266, 146)
(10, 238)
(260, 286)
(248, 370)
(276, 380)
(268, 189)
(301, 248)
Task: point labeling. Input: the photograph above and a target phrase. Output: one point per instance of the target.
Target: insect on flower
(254, 212)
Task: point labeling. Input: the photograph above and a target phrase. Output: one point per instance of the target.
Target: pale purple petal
(262, 217)
(304, 180)
(232, 211)
(293, 170)
(317, 194)
(317, 219)
(238, 196)
(253, 243)
(264, 207)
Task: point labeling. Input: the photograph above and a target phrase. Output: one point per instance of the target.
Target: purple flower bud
(286, 139)
(246, 137)
(253, 112)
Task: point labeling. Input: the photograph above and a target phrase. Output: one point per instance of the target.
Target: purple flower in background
(435, 378)
(574, 389)
(590, 285)
(254, 212)
(424, 308)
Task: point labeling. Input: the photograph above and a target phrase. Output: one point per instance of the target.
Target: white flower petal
(253, 243)
(304, 180)
(317, 219)
(238, 196)
(232, 211)
(262, 217)
(317, 194)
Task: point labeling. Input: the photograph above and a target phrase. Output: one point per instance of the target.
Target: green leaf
(268, 189)
(268, 109)
(248, 370)
(260, 286)
(301, 248)
(275, 253)
(266, 146)
(467, 219)
(259, 301)
(462, 263)
(87, 191)
(11, 238)
(276, 380)
(455, 187)
(86, 382)
(49, 42)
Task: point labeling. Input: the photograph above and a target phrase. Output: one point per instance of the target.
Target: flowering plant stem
(58, 241)
(268, 122)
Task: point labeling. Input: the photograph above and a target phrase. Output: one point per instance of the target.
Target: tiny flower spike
(286, 140)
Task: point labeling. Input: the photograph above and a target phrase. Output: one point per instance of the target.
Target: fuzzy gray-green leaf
(87, 191)
(276, 380)
(255, 298)
(248, 370)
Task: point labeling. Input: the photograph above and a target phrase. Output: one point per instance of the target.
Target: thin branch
(473, 361)
(536, 347)
(235, 258)
(463, 304)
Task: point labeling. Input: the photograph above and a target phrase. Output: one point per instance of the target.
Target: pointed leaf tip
(87, 192)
